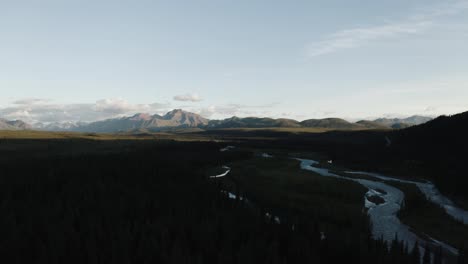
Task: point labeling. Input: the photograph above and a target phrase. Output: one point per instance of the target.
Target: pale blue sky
(84, 60)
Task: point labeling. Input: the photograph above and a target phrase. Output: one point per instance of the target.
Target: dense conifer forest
(87, 201)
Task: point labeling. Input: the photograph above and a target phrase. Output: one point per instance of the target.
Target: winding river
(385, 223)
(431, 193)
(383, 215)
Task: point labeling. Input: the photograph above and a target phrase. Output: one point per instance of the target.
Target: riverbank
(266, 179)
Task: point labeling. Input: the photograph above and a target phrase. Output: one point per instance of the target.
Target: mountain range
(180, 119)
(174, 119)
(14, 125)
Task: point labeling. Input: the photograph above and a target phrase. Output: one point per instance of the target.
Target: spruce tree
(462, 256)
(438, 256)
(415, 254)
(427, 255)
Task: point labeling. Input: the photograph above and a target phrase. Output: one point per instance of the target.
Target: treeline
(435, 150)
(150, 202)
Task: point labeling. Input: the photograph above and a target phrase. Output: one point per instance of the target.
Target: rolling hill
(334, 123)
(372, 124)
(252, 122)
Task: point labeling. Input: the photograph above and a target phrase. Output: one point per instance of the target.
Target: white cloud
(188, 98)
(35, 110)
(229, 110)
(113, 106)
(351, 38)
(220, 110)
(356, 37)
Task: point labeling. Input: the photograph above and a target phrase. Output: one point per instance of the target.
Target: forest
(141, 201)
(234, 132)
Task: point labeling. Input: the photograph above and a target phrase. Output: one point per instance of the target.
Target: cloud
(44, 111)
(188, 98)
(351, 38)
(34, 110)
(113, 106)
(360, 36)
(30, 101)
(220, 110)
(229, 110)
(431, 109)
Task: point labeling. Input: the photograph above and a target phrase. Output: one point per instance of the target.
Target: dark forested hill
(442, 145)
(449, 131)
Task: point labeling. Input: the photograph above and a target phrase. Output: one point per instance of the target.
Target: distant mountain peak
(176, 113)
(141, 116)
(14, 125)
(403, 122)
(176, 118)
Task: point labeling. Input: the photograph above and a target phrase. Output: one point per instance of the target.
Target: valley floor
(275, 181)
(63, 191)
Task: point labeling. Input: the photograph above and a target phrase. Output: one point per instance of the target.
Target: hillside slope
(335, 123)
(252, 122)
(440, 145)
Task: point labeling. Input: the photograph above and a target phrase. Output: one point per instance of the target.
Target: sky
(87, 60)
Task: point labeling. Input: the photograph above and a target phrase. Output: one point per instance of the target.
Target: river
(431, 193)
(385, 223)
(384, 215)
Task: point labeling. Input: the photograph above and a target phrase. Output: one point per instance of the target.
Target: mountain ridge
(142, 121)
(13, 125)
(180, 119)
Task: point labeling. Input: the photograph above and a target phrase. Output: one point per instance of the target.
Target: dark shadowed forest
(84, 201)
